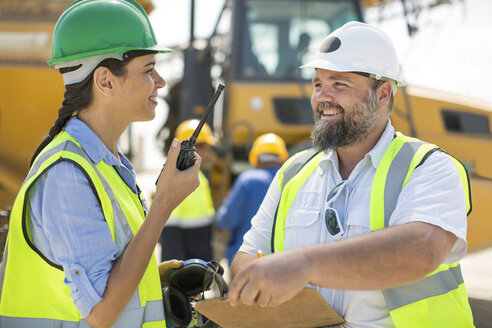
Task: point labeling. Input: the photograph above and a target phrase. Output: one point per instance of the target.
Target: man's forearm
(379, 260)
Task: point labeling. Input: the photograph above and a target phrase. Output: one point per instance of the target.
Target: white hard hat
(359, 47)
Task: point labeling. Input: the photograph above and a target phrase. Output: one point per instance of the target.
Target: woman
(81, 242)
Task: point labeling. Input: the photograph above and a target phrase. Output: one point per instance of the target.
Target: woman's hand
(165, 269)
(173, 185)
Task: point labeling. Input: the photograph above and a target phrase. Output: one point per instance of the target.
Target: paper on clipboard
(306, 309)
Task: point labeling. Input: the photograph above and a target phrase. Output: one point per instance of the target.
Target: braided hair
(79, 95)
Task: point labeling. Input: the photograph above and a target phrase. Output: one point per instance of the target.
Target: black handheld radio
(186, 156)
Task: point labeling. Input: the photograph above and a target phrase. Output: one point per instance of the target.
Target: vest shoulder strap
(399, 161)
(290, 169)
(296, 164)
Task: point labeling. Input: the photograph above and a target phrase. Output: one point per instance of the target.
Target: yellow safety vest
(32, 291)
(197, 209)
(439, 299)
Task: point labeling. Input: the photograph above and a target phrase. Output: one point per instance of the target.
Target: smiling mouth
(153, 99)
(329, 111)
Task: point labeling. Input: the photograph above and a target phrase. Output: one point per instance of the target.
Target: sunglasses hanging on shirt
(332, 219)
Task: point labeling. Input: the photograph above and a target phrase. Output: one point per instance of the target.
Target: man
(375, 221)
(188, 233)
(267, 155)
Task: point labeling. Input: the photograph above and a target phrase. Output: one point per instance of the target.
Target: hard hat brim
(119, 50)
(330, 66)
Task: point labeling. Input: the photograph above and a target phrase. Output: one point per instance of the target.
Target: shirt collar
(328, 157)
(93, 145)
(375, 155)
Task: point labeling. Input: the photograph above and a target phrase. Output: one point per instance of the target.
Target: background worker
(81, 242)
(188, 233)
(374, 220)
(267, 155)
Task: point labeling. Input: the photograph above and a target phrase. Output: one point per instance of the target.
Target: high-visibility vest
(32, 291)
(197, 209)
(439, 299)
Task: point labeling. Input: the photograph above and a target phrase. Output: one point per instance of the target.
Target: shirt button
(77, 272)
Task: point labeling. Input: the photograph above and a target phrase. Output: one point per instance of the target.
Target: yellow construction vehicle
(257, 58)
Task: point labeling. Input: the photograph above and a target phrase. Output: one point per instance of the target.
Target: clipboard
(306, 309)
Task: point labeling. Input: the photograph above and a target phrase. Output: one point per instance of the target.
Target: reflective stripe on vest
(22, 286)
(438, 300)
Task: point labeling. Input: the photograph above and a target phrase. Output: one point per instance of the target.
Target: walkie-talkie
(186, 156)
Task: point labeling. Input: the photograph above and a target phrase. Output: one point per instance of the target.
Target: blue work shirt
(241, 205)
(67, 223)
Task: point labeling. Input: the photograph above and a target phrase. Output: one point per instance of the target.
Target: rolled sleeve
(83, 293)
(70, 229)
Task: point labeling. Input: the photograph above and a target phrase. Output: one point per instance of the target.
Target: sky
(171, 19)
(452, 51)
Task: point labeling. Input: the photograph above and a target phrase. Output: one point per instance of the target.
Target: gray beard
(350, 129)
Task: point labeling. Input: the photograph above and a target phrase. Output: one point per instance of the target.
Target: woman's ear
(104, 81)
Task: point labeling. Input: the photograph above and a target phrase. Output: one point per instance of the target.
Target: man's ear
(384, 93)
(104, 81)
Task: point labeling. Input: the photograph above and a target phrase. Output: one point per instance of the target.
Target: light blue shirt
(67, 223)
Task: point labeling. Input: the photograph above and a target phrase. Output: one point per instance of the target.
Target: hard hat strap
(380, 78)
(87, 65)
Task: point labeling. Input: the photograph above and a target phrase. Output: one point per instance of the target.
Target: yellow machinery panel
(426, 110)
(251, 112)
(29, 101)
(479, 233)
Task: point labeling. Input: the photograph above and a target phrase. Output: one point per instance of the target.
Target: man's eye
(340, 84)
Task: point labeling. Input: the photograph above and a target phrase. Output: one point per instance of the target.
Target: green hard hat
(89, 28)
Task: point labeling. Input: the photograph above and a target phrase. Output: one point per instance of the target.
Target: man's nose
(325, 94)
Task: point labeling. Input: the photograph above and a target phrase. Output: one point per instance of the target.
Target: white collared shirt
(434, 194)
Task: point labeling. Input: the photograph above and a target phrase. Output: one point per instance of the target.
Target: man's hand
(165, 269)
(270, 280)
